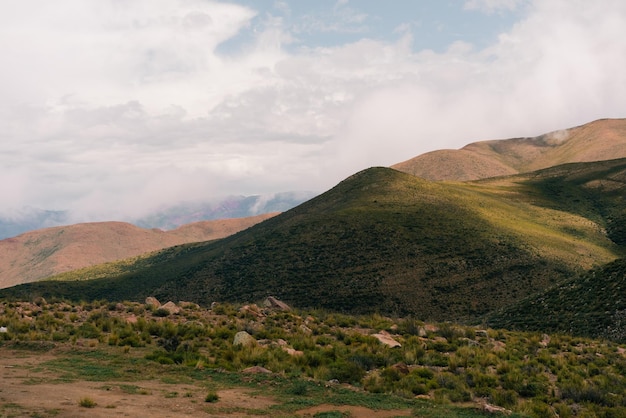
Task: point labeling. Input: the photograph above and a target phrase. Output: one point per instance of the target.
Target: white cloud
(113, 108)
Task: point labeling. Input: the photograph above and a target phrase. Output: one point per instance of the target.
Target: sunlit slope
(600, 140)
(389, 242)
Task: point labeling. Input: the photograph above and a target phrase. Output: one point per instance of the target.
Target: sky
(111, 109)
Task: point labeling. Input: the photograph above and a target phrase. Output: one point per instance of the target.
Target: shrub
(161, 312)
(211, 397)
(87, 402)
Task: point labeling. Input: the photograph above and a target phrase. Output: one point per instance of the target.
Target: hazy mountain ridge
(604, 139)
(38, 254)
(167, 218)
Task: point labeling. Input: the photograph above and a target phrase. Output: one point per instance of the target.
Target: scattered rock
(386, 338)
(493, 409)
(256, 369)
(273, 303)
(332, 382)
(481, 333)
(152, 301)
(171, 307)
(253, 310)
(401, 368)
(244, 339)
(293, 351)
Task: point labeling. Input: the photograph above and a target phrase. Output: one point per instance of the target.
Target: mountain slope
(390, 242)
(593, 305)
(603, 139)
(43, 253)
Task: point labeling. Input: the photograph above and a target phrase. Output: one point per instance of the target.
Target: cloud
(112, 109)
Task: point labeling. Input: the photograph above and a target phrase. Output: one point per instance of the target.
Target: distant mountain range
(47, 252)
(538, 230)
(171, 217)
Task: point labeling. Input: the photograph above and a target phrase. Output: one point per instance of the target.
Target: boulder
(273, 303)
(171, 307)
(152, 301)
(244, 339)
(386, 338)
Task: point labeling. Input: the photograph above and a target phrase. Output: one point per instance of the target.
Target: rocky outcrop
(275, 304)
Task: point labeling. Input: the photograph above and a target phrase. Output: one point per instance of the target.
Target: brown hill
(42, 253)
(603, 139)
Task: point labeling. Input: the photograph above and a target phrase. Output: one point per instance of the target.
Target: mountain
(229, 207)
(389, 242)
(603, 139)
(171, 217)
(47, 252)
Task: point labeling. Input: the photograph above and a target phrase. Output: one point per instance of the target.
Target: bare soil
(29, 390)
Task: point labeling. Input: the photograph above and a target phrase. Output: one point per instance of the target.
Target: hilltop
(386, 241)
(43, 253)
(600, 140)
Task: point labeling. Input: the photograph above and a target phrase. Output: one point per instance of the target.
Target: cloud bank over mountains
(111, 109)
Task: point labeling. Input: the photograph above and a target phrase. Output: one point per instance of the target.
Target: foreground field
(128, 359)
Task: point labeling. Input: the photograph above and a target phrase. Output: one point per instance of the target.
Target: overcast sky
(112, 108)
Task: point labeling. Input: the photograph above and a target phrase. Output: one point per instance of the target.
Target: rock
(386, 338)
(244, 339)
(4, 329)
(293, 351)
(171, 307)
(253, 310)
(305, 329)
(152, 301)
(120, 307)
(401, 368)
(256, 369)
(273, 303)
(481, 333)
(493, 409)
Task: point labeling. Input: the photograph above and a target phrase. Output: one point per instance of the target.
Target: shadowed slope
(386, 241)
(603, 139)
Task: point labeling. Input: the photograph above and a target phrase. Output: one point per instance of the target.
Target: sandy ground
(26, 390)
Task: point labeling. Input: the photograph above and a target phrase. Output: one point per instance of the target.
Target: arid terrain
(43, 253)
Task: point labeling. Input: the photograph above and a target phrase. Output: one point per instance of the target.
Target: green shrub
(211, 397)
(87, 402)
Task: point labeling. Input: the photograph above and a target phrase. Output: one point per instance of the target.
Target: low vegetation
(309, 358)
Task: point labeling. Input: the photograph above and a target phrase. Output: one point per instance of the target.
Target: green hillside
(385, 241)
(593, 305)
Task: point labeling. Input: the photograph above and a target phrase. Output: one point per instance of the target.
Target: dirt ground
(26, 391)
